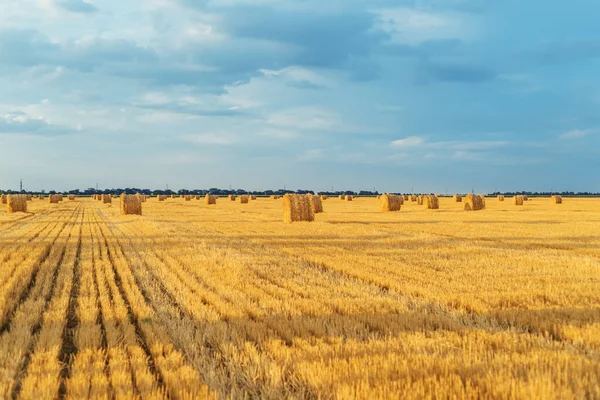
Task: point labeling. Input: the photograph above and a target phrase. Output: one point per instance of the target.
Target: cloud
(566, 51)
(413, 26)
(458, 73)
(18, 122)
(411, 141)
(210, 138)
(77, 6)
(578, 133)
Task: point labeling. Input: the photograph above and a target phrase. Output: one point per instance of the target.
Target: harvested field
(191, 300)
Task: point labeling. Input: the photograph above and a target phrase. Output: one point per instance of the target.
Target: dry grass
(192, 301)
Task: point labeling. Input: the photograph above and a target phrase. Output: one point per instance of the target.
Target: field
(194, 301)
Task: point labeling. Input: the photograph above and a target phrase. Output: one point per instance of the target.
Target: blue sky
(424, 95)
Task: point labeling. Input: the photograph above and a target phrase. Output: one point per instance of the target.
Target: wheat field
(192, 301)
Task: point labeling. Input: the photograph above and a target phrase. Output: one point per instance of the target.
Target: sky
(423, 95)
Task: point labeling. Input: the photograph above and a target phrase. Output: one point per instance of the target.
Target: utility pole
(21, 186)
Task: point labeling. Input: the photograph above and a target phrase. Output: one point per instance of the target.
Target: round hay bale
(518, 200)
(315, 203)
(500, 197)
(296, 208)
(390, 202)
(474, 202)
(431, 202)
(16, 203)
(457, 198)
(131, 204)
(210, 199)
(556, 199)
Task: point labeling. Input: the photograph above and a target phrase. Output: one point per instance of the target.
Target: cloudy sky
(423, 95)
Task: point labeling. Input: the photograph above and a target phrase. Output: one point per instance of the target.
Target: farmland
(192, 300)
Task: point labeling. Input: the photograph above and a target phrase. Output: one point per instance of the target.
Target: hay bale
(16, 203)
(106, 199)
(161, 197)
(525, 198)
(243, 199)
(500, 197)
(420, 200)
(405, 198)
(556, 199)
(231, 197)
(323, 197)
(457, 198)
(297, 207)
(29, 197)
(71, 197)
(41, 197)
(474, 202)
(252, 197)
(518, 200)
(188, 197)
(390, 202)
(131, 204)
(342, 197)
(274, 197)
(60, 197)
(349, 198)
(53, 199)
(172, 196)
(431, 202)
(3, 199)
(413, 198)
(210, 199)
(315, 203)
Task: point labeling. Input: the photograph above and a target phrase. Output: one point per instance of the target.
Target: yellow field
(194, 301)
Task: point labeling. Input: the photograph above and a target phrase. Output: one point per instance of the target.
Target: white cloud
(411, 141)
(210, 138)
(412, 26)
(578, 133)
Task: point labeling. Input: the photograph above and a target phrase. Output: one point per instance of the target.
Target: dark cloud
(77, 6)
(30, 48)
(320, 39)
(566, 52)
(461, 73)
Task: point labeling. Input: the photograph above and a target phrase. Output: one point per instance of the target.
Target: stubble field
(193, 301)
